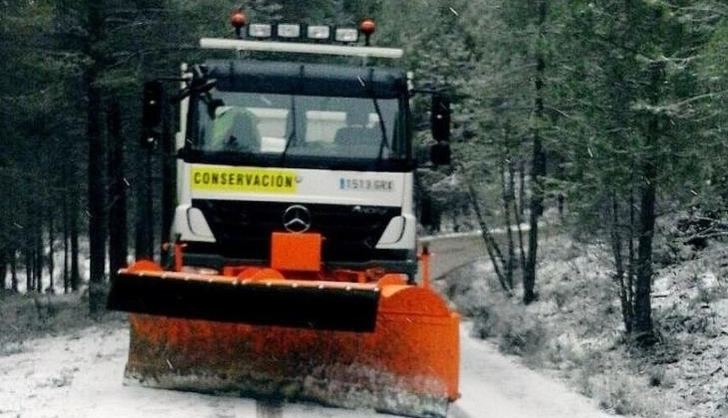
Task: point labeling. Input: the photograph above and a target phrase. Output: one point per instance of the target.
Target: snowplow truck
(294, 262)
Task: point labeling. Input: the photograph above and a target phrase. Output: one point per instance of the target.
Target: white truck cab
(289, 146)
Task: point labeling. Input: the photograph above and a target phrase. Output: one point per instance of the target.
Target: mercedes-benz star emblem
(297, 219)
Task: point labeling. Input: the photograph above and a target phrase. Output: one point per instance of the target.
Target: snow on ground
(80, 375)
(575, 330)
(493, 385)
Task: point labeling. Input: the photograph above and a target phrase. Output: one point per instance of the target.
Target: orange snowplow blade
(408, 365)
(353, 339)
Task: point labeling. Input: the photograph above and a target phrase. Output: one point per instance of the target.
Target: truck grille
(243, 229)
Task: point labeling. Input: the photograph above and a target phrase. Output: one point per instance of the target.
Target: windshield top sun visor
(306, 79)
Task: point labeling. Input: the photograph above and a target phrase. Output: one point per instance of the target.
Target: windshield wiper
(385, 141)
(292, 136)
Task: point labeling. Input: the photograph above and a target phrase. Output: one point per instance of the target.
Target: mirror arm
(202, 88)
(183, 94)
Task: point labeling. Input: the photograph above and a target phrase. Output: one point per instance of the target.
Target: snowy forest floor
(575, 330)
(27, 317)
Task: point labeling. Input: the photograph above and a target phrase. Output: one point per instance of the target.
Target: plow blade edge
(315, 305)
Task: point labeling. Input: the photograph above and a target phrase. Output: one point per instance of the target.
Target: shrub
(516, 331)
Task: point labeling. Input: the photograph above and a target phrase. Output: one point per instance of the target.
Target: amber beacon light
(238, 19)
(367, 26)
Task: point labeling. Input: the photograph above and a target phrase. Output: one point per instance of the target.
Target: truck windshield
(311, 127)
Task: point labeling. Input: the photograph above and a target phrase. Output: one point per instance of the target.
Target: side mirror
(440, 153)
(151, 113)
(440, 117)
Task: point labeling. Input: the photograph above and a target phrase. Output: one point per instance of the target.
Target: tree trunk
(521, 188)
(29, 285)
(491, 246)
(13, 271)
(517, 213)
(648, 190)
(3, 269)
(616, 238)
(118, 243)
(529, 275)
(143, 209)
(631, 253)
(72, 204)
(643, 285)
(539, 168)
(75, 274)
(97, 202)
(508, 197)
(96, 196)
(66, 276)
(51, 253)
(39, 255)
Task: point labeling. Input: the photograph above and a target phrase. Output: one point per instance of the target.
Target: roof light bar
(318, 32)
(301, 48)
(260, 30)
(288, 30)
(348, 35)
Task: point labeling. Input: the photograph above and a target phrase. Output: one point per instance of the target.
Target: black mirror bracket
(153, 98)
(440, 153)
(441, 122)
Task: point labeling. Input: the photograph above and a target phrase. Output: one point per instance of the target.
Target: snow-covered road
(80, 376)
